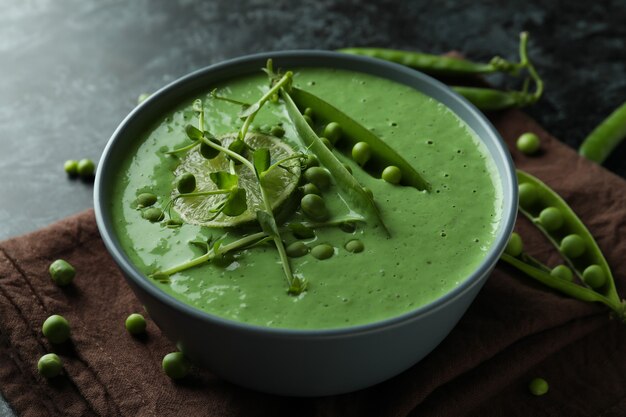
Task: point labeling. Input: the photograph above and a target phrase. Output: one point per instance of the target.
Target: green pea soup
(437, 238)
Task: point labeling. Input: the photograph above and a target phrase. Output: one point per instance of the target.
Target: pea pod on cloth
(562, 227)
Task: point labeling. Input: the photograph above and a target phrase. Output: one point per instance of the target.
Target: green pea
(392, 174)
(361, 153)
(538, 386)
(323, 251)
(86, 168)
(297, 249)
(49, 365)
(277, 131)
(333, 132)
(61, 272)
(528, 195)
(551, 218)
(572, 246)
(186, 183)
(56, 329)
(326, 142)
(153, 214)
(515, 245)
(308, 120)
(311, 189)
(207, 151)
(145, 200)
(311, 161)
(318, 176)
(176, 365)
(135, 324)
(354, 246)
(528, 143)
(309, 112)
(562, 272)
(313, 206)
(71, 167)
(594, 276)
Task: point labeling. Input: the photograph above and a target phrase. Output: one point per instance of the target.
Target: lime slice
(279, 183)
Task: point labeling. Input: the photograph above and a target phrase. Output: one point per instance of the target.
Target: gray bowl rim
(508, 216)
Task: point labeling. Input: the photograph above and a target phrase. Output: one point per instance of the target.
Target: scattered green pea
(527, 195)
(145, 200)
(297, 249)
(186, 183)
(318, 176)
(333, 132)
(135, 323)
(528, 143)
(572, 246)
(538, 386)
(71, 167)
(176, 365)
(308, 120)
(563, 272)
(209, 152)
(56, 329)
(309, 112)
(326, 142)
(311, 161)
(323, 251)
(361, 153)
(392, 174)
(551, 218)
(313, 206)
(49, 365)
(515, 245)
(594, 276)
(354, 246)
(61, 272)
(86, 168)
(311, 189)
(277, 131)
(153, 214)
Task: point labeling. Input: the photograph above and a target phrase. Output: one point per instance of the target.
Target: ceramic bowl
(301, 362)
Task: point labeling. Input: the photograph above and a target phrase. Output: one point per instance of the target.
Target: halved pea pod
(345, 181)
(544, 197)
(354, 132)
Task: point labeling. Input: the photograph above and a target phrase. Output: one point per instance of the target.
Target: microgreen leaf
(193, 132)
(224, 180)
(261, 159)
(203, 245)
(268, 223)
(301, 231)
(235, 203)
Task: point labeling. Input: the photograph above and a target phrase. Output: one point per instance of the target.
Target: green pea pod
(345, 181)
(436, 64)
(489, 99)
(355, 132)
(568, 288)
(592, 255)
(605, 137)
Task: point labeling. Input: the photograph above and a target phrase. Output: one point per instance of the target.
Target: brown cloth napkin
(515, 330)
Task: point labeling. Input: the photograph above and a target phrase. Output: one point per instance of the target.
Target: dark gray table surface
(71, 70)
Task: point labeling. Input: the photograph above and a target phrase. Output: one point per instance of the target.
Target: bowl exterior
(292, 362)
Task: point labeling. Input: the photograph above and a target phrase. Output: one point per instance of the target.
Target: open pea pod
(535, 197)
(350, 187)
(354, 132)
